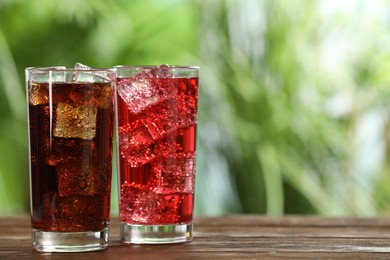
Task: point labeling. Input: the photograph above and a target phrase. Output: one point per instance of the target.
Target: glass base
(156, 234)
(45, 241)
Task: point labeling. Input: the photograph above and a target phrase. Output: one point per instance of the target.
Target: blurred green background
(293, 109)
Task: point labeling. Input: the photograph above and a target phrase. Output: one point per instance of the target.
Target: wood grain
(231, 237)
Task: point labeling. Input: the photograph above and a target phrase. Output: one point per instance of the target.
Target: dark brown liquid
(71, 130)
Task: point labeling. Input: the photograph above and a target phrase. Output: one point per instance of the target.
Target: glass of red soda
(71, 120)
(156, 135)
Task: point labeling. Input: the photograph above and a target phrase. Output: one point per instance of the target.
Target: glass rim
(67, 69)
(155, 66)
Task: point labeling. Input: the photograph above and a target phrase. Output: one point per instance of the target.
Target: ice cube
(80, 66)
(170, 115)
(137, 146)
(162, 118)
(75, 178)
(168, 145)
(90, 75)
(143, 206)
(104, 96)
(162, 71)
(176, 174)
(38, 94)
(75, 121)
(144, 90)
(84, 77)
(79, 76)
(137, 93)
(80, 213)
(137, 205)
(75, 160)
(62, 149)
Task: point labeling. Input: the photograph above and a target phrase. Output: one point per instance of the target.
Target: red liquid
(71, 155)
(157, 153)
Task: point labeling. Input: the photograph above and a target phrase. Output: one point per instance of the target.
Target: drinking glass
(70, 117)
(156, 133)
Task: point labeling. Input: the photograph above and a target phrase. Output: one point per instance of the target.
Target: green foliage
(295, 87)
(293, 114)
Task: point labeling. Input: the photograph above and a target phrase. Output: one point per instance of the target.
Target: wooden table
(231, 237)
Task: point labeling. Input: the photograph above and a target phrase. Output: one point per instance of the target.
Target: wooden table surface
(231, 237)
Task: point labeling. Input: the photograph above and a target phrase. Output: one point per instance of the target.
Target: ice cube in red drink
(140, 206)
(136, 144)
(143, 90)
(176, 174)
(170, 115)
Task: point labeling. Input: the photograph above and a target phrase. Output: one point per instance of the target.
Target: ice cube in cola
(157, 117)
(71, 130)
(84, 74)
(75, 121)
